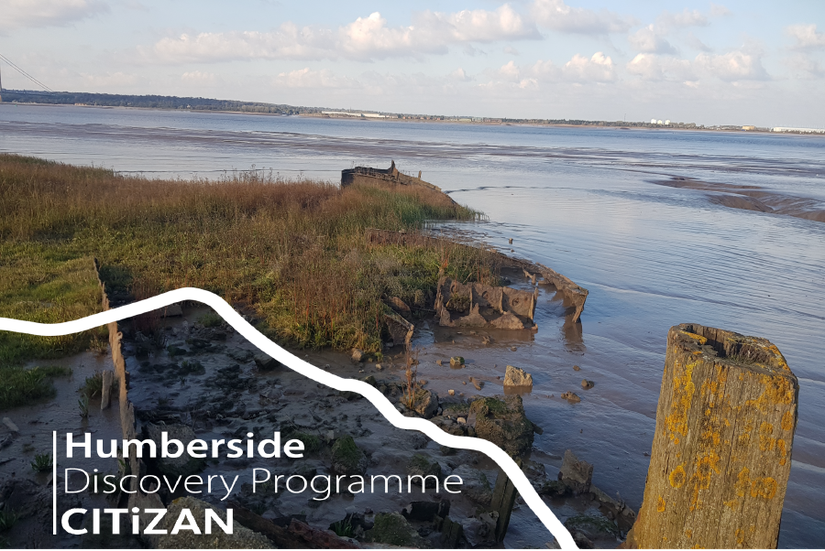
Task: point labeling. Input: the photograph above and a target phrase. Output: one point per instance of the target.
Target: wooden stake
(722, 447)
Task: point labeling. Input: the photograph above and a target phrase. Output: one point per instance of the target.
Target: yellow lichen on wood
(677, 477)
(683, 390)
(787, 421)
(698, 338)
(660, 507)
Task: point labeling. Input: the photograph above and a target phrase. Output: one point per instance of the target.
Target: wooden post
(722, 447)
(504, 496)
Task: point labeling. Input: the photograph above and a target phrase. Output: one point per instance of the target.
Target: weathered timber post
(504, 496)
(722, 447)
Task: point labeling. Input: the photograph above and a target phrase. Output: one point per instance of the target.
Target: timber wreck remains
(385, 177)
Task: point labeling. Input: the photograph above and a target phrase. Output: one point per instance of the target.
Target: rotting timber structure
(388, 177)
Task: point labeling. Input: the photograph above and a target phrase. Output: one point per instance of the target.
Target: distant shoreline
(202, 105)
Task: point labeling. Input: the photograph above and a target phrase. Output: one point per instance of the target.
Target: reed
(293, 249)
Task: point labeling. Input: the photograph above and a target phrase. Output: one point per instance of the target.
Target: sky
(733, 62)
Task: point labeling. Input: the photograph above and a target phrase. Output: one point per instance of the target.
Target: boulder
(184, 465)
(241, 538)
(517, 377)
(265, 363)
(481, 530)
(575, 473)
(393, 529)
(425, 403)
(571, 397)
(421, 465)
(502, 422)
(347, 457)
(457, 361)
(587, 385)
(358, 355)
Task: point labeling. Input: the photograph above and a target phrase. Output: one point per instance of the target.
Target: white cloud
(718, 10)
(804, 66)
(733, 66)
(686, 18)
(558, 16)
(460, 75)
(365, 38)
(648, 40)
(109, 79)
(307, 78)
(199, 77)
(599, 68)
(807, 38)
(658, 67)
(18, 14)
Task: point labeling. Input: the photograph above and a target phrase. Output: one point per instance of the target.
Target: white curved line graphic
(381, 403)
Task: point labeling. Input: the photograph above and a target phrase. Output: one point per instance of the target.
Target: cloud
(733, 66)
(804, 66)
(18, 14)
(599, 68)
(648, 40)
(718, 10)
(365, 38)
(807, 38)
(307, 78)
(109, 79)
(556, 15)
(686, 18)
(658, 67)
(199, 77)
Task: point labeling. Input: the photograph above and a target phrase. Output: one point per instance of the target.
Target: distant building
(659, 121)
(652, 121)
(749, 127)
(801, 130)
(667, 122)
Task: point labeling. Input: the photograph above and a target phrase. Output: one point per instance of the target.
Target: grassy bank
(294, 250)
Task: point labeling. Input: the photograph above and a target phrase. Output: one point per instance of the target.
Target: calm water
(579, 201)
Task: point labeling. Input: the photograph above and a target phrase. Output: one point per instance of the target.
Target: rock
(503, 423)
(265, 363)
(171, 311)
(393, 529)
(451, 392)
(241, 538)
(513, 349)
(515, 376)
(481, 530)
(440, 362)
(426, 511)
(587, 385)
(240, 355)
(379, 367)
(425, 403)
(581, 541)
(593, 527)
(576, 368)
(184, 465)
(399, 306)
(476, 383)
(347, 457)
(457, 361)
(10, 424)
(486, 339)
(571, 397)
(358, 355)
(474, 484)
(575, 474)
(420, 465)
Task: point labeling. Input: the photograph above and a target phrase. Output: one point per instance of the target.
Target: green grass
(19, 386)
(42, 463)
(294, 250)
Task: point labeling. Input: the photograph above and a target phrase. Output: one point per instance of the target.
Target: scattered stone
(581, 541)
(358, 355)
(10, 424)
(184, 465)
(426, 511)
(461, 421)
(440, 362)
(476, 383)
(393, 529)
(172, 311)
(457, 361)
(503, 423)
(571, 397)
(347, 458)
(511, 241)
(240, 538)
(451, 392)
(513, 348)
(593, 527)
(576, 368)
(420, 465)
(265, 363)
(587, 385)
(515, 376)
(575, 473)
(475, 484)
(425, 403)
(379, 367)
(486, 339)
(240, 355)
(481, 530)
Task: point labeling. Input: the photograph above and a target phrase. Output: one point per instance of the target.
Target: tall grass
(295, 250)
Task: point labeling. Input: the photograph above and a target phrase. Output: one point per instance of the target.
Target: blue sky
(732, 62)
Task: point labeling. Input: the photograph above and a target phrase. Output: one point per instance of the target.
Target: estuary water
(598, 205)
